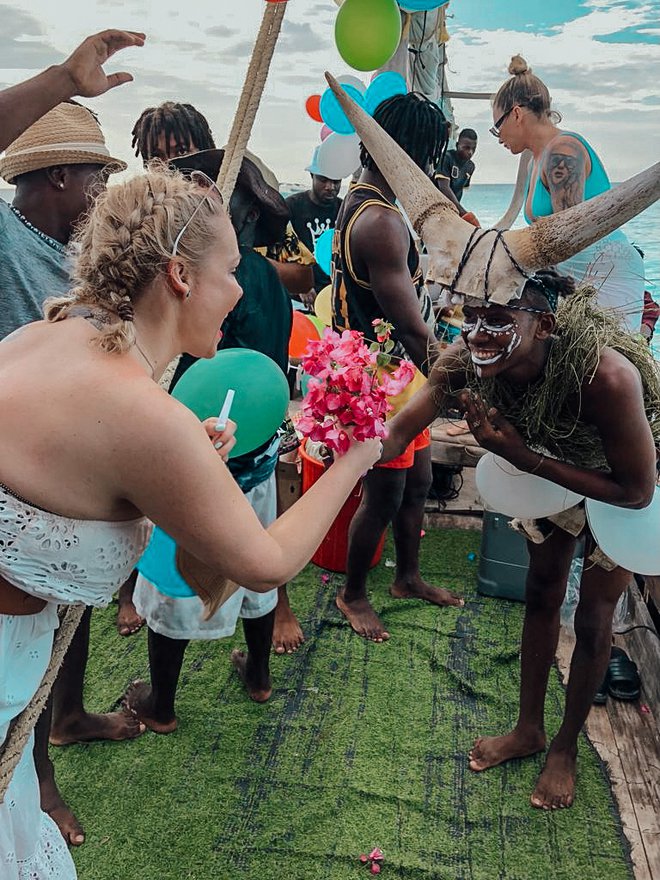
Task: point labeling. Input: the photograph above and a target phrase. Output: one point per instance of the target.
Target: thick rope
(22, 726)
(248, 104)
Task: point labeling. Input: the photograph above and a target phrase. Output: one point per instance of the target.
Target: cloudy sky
(599, 58)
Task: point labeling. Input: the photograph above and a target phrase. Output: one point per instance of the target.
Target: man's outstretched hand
(84, 66)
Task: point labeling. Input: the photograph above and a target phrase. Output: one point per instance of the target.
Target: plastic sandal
(624, 681)
(600, 697)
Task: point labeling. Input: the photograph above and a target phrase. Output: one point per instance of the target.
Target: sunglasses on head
(203, 181)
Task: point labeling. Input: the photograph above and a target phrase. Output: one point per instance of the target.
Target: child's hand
(223, 441)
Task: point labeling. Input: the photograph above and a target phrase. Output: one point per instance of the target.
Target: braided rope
(22, 726)
(248, 104)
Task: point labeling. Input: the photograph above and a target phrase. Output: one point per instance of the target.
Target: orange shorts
(407, 457)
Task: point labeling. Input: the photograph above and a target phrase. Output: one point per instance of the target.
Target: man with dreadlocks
(377, 274)
(173, 130)
(539, 385)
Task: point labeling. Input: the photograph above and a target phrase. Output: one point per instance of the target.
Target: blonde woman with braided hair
(94, 450)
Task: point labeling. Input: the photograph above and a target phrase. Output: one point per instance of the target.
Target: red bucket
(333, 550)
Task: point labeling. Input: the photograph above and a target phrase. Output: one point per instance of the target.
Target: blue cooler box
(504, 559)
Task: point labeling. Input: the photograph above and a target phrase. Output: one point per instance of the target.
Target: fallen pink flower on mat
(375, 868)
(376, 854)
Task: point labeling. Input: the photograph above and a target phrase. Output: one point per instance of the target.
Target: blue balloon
(331, 112)
(384, 86)
(158, 565)
(418, 5)
(323, 250)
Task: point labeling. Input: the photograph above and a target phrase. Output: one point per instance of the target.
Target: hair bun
(518, 66)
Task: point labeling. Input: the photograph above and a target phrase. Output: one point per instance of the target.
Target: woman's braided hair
(126, 242)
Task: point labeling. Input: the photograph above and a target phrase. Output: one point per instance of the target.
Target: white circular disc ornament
(631, 538)
(513, 492)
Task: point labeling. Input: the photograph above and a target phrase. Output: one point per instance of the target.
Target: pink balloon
(325, 131)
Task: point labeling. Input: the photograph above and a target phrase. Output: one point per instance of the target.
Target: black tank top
(354, 305)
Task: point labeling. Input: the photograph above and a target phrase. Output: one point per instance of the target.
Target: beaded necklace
(56, 245)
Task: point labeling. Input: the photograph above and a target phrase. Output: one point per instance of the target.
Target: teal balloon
(419, 5)
(323, 250)
(260, 402)
(367, 32)
(385, 85)
(332, 113)
(158, 565)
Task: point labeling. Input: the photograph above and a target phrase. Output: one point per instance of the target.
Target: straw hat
(67, 135)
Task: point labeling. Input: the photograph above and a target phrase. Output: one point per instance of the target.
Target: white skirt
(31, 845)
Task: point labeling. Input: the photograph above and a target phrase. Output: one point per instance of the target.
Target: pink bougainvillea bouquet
(349, 386)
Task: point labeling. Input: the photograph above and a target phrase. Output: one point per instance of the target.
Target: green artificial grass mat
(361, 745)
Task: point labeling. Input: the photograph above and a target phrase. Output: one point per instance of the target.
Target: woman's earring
(188, 293)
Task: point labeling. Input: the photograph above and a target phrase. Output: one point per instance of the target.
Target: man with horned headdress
(539, 381)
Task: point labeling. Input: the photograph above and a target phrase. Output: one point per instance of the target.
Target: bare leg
(407, 527)
(128, 620)
(546, 585)
(382, 494)
(154, 705)
(51, 799)
(599, 592)
(287, 634)
(71, 723)
(253, 665)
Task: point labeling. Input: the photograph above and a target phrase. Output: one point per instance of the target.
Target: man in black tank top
(376, 274)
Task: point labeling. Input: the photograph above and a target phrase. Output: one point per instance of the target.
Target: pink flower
(347, 388)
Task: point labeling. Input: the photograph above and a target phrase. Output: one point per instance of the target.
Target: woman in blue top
(564, 171)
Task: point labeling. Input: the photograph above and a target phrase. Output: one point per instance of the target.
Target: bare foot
(259, 692)
(60, 813)
(88, 727)
(489, 751)
(419, 589)
(287, 634)
(128, 620)
(138, 699)
(555, 788)
(362, 618)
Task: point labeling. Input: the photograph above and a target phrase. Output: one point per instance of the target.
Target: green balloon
(260, 402)
(318, 323)
(367, 32)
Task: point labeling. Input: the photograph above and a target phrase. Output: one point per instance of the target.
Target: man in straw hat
(56, 156)
(539, 380)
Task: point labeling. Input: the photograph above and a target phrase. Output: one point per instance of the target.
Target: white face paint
(482, 355)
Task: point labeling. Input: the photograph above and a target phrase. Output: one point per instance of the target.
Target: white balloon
(338, 155)
(512, 492)
(348, 79)
(629, 537)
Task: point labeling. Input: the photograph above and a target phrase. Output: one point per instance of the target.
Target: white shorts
(182, 618)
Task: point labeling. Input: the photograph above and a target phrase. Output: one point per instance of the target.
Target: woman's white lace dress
(63, 561)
